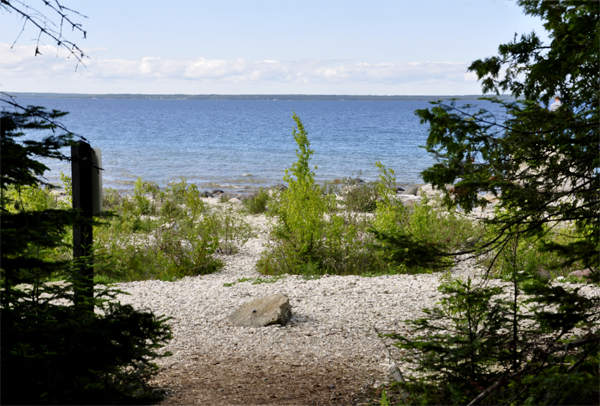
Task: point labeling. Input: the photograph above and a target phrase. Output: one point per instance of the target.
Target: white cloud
(18, 64)
(471, 77)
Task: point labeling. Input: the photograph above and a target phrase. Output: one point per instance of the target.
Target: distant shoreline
(270, 97)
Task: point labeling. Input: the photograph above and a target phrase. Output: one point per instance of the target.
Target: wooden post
(81, 166)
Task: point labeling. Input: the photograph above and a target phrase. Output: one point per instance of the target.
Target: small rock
(359, 180)
(235, 201)
(400, 189)
(581, 274)
(413, 191)
(280, 187)
(273, 309)
(217, 192)
(336, 181)
(544, 273)
(428, 190)
(409, 200)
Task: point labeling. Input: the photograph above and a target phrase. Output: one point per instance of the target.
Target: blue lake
(237, 144)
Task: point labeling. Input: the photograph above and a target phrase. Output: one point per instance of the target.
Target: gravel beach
(329, 353)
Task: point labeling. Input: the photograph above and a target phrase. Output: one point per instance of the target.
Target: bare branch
(47, 27)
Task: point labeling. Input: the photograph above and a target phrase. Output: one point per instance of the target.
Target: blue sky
(398, 47)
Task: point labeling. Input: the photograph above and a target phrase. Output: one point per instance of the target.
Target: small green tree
(310, 236)
(52, 351)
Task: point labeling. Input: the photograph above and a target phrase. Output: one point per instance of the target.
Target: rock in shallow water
(273, 309)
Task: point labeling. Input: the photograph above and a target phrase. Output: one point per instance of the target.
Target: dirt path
(227, 380)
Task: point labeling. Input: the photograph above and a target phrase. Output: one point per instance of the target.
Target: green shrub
(34, 198)
(232, 230)
(257, 203)
(111, 199)
(523, 343)
(61, 354)
(156, 236)
(360, 197)
(390, 214)
(416, 237)
(535, 259)
(166, 234)
(456, 345)
(448, 229)
(310, 236)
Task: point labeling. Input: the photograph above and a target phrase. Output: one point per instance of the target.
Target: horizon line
(246, 96)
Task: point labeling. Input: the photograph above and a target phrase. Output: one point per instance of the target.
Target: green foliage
(543, 166)
(528, 341)
(359, 197)
(166, 234)
(534, 258)
(390, 213)
(417, 237)
(310, 236)
(538, 346)
(68, 189)
(458, 342)
(257, 203)
(232, 230)
(52, 351)
(384, 399)
(111, 199)
(153, 237)
(61, 354)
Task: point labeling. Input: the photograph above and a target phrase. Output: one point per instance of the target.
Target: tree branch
(44, 25)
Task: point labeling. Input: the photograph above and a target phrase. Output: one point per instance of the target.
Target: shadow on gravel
(220, 380)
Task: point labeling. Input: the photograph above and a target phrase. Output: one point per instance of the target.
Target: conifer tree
(532, 342)
(52, 351)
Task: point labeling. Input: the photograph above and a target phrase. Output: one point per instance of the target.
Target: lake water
(240, 145)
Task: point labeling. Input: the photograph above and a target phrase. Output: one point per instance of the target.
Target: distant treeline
(240, 96)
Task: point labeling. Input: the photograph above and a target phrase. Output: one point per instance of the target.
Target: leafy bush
(166, 234)
(257, 203)
(390, 212)
(448, 229)
(413, 237)
(232, 230)
(360, 197)
(530, 342)
(533, 256)
(310, 236)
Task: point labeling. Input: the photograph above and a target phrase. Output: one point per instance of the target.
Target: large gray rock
(274, 309)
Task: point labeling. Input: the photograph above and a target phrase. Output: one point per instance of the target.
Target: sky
(401, 47)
